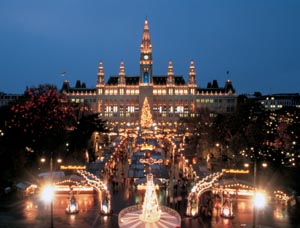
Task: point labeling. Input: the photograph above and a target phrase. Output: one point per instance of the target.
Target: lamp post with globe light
(48, 190)
(258, 197)
(47, 196)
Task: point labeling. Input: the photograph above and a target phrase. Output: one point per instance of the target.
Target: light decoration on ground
(226, 212)
(101, 188)
(151, 212)
(281, 196)
(203, 185)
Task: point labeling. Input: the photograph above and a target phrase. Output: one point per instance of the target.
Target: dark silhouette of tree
(36, 124)
(200, 130)
(241, 130)
(81, 137)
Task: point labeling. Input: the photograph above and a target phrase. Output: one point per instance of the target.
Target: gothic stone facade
(121, 98)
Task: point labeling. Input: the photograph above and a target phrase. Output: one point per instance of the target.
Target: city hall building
(120, 99)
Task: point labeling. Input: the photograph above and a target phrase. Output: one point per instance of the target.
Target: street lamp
(48, 190)
(47, 196)
(258, 198)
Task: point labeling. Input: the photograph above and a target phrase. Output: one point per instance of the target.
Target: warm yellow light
(237, 171)
(259, 200)
(47, 193)
(104, 209)
(70, 167)
(226, 212)
(43, 159)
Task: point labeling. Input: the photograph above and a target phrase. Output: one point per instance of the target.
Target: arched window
(146, 78)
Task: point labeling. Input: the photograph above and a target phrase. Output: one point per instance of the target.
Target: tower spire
(170, 74)
(146, 46)
(146, 57)
(100, 74)
(192, 74)
(122, 74)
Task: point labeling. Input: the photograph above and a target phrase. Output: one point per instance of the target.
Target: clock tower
(146, 57)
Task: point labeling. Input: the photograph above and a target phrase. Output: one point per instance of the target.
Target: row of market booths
(137, 170)
(146, 148)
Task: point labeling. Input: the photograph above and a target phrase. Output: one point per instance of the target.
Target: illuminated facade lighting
(170, 96)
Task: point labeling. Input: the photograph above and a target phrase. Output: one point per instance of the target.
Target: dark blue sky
(257, 41)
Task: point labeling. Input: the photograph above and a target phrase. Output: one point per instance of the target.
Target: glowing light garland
(202, 186)
(151, 212)
(96, 183)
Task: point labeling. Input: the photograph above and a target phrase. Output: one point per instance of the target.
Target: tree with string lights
(146, 116)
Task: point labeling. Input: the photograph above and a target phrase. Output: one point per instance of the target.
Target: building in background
(121, 98)
(278, 101)
(5, 98)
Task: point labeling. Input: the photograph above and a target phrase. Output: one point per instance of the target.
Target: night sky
(257, 41)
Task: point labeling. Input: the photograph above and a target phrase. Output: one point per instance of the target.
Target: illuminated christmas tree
(151, 212)
(146, 116)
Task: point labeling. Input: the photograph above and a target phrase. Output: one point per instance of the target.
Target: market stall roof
(24, 185)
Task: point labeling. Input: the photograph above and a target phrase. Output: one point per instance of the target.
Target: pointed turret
(100, 74)
(170, 74)
(146, 57)
(229, 87)
(122, 74)
(192, 75)
(146, 47)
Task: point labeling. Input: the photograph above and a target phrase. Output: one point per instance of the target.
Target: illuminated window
(130, 108)
(179, 109)
(146, 78)
(186, 108)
